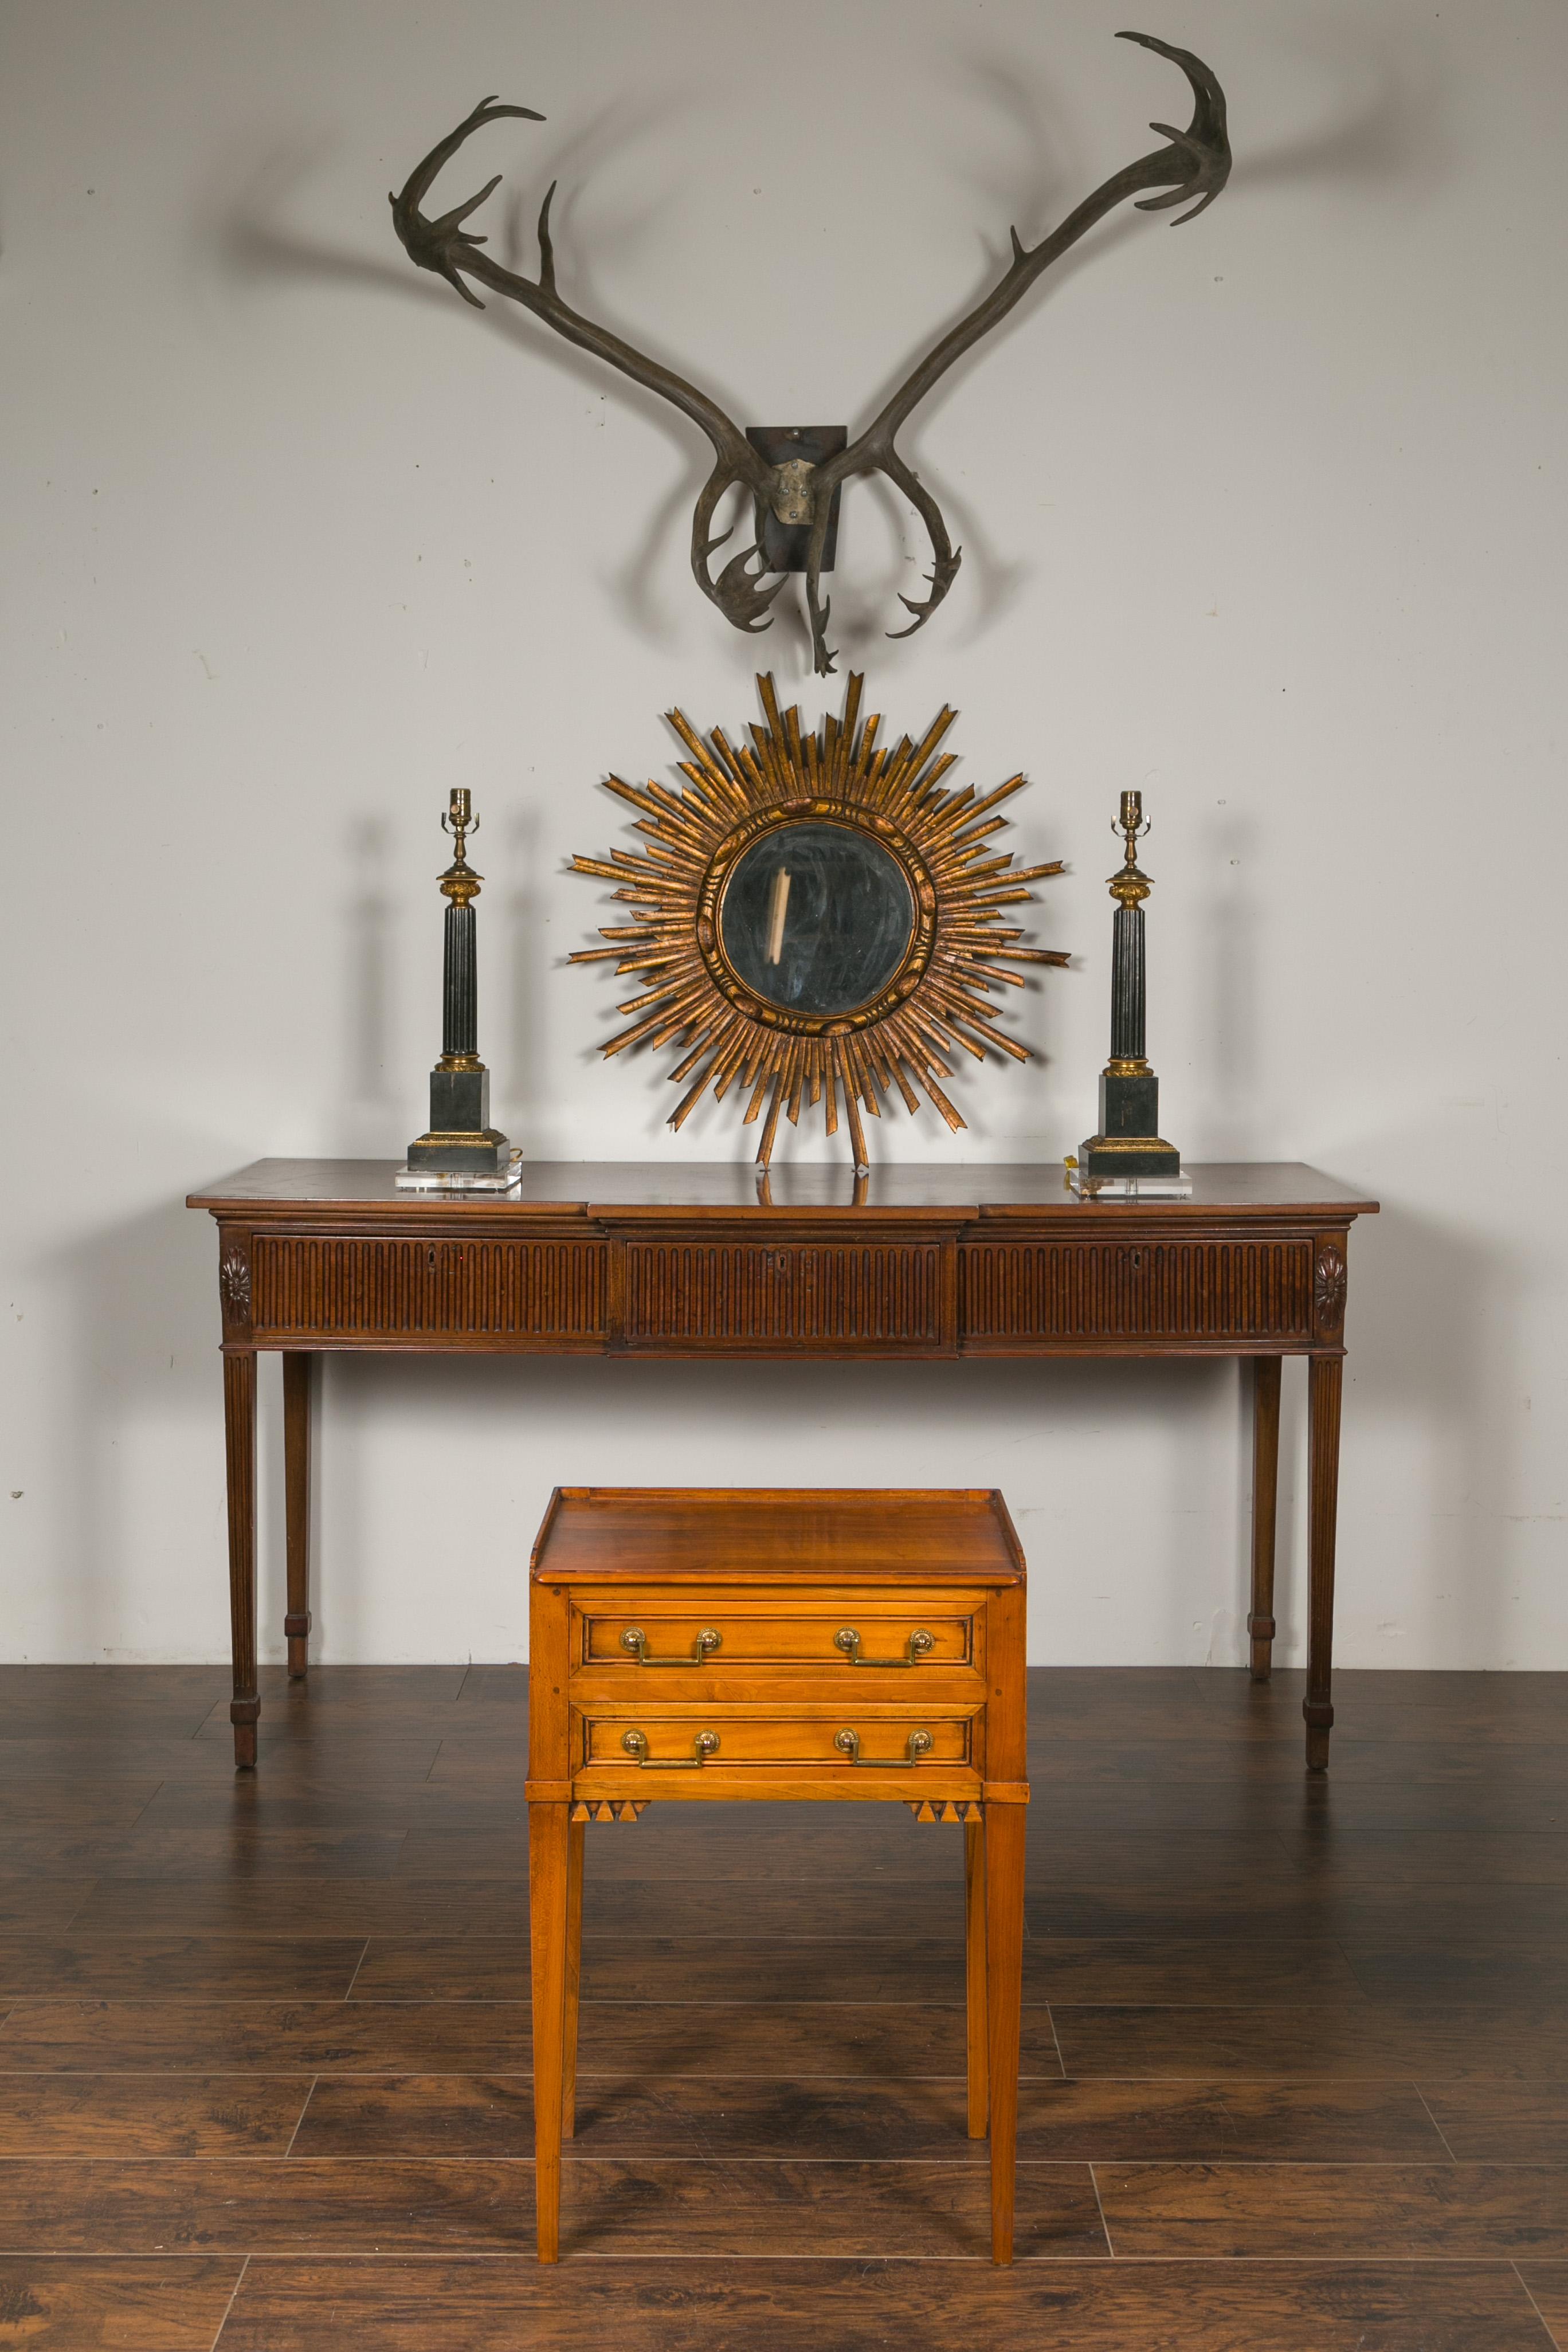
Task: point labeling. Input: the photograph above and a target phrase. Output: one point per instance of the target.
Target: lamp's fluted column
(460, 985)
(1127, 986)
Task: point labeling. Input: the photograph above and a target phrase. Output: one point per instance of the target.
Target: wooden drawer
(758, 1296)
(443, 1293)
(649, 1637)
(1140, 1288)
(726, 1741)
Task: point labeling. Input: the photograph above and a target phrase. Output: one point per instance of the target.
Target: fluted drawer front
(727, 1293)
(1136, 1290)
(333, 1287)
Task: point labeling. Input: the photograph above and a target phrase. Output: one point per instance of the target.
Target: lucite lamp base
(412, 1179)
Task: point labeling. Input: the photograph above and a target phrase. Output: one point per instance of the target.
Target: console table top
(729, 1189)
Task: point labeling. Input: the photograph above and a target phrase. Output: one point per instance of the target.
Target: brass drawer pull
(706, 1744)
(919, 1745)
(702, 1649)
(920, 1644)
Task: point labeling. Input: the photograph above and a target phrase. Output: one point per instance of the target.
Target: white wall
(1266, 517)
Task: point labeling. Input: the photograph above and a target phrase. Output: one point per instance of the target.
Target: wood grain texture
(217, 2205)
(288, 2037)
(806, 2304)
(915, 2208)
(858, 1844)
(662, 1189)
(41, 1906)
(1400, 2212)
(317, 1759)
(160, 2305)
(1546, 2284)
(759, 2116)
(1451, 2104)
(125, 1968)
(330, 1906)
(132, 2115)
(101, 1702)
(1357, 2041)
(1486, 2121)
(834, 1910)
(884, 2040)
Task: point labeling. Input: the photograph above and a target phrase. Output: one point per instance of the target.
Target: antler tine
(1195, 162)
(1205, 142)
(429, 243)
(446, 246)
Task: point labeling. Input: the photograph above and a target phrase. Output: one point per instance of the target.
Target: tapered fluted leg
(239, 1446)
(974, 1976)
(1265, 1505)
(297, 1380)
(547, 1874)
(1324, 1381)
(576, 1832)
(1003, 1998)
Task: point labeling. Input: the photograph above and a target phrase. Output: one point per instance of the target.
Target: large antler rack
(1194, 164)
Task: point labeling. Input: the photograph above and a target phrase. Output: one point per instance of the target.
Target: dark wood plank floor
(1296, 2053)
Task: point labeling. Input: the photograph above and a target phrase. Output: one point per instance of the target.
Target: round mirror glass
(817, 918)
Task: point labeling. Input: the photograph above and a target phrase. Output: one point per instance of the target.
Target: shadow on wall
(521, 1425)
(372, 1106)
(146, 1386)
(1383, 106)
(1435, 1343)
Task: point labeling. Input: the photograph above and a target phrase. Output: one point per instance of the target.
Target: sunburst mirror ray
(817, 918)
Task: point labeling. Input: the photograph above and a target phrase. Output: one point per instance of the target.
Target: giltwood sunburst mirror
(817, 918)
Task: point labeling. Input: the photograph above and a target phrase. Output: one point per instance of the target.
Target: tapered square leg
(240, 1447)
(974, 1976)
(576, 1832)
(298, 1369)
(548, 1847)
(1265, 1506)
(1004, 2001)
(1325, 1381)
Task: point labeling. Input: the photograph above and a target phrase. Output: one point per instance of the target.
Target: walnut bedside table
(842, 1646)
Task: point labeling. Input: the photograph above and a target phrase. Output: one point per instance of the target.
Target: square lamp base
(460, 1151)
(1129, 1155)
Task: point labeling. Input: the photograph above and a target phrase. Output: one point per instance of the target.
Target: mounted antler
(1195, 164)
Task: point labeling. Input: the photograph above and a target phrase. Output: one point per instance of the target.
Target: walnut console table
(917, 1263)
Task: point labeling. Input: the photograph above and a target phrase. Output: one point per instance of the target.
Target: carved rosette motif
(1328, 1280)
(234, 1285)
